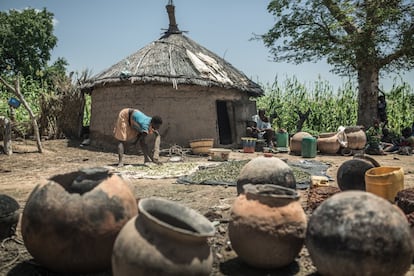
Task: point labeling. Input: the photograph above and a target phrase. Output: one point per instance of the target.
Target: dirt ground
(20, 172)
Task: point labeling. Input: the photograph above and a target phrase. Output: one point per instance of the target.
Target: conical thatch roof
(176, 59)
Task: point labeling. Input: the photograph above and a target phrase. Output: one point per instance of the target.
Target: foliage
(48, 103)
(362, 37)
(400, 107)
(329, 109)
(30, 89)
(27, 40)
(349, 34)
(87, 110)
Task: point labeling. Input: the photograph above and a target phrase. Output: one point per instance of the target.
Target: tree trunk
(6, 135)
(367, 96)
(31, 114)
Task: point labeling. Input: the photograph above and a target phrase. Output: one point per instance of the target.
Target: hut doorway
(223, 122)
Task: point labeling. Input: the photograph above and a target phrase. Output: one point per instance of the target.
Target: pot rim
(201, 225)
(271, 190)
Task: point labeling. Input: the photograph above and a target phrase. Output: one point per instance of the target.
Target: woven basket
(201, 146)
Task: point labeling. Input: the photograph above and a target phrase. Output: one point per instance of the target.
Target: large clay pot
(356, 137)
(265, 170)
(268, 225)
(70, 223)
(296, 142)
(351, 173)
(358, 233)
(9, 216)
(166, 238)
(328, 143)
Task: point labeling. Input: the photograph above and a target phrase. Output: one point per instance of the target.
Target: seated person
(261, 128)
(374, 135)
(405, 144)
(388, 139)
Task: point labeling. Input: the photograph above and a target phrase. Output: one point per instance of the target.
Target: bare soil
(22, 171)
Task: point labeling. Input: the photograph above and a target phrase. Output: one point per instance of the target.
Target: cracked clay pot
(70, 222)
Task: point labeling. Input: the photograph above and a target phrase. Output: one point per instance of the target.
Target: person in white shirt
(261, 128)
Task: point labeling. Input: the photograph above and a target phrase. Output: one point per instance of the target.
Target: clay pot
(405, 200)
(356, 137)
(268, 225)
(296, 142)
(265, 170)
(351, 173)
(9, 216)
(166, 238)
(328, 143)
(70, 223)
(346, 236)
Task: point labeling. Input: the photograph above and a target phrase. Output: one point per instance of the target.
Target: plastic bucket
(308, 147)
(282, 139)
(385, 182)
(248, 144)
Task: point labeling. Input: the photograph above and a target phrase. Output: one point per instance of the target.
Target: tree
(357, 37)
(16, 91)
(27, 41)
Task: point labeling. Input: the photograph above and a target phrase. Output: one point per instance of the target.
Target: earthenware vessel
(351, 173)
(359, 233)
(328, 143)
(268, 225)
(265, 170)
(70, 222)
(166, 238)
(356, 137)
(296, 142)
(9, 216)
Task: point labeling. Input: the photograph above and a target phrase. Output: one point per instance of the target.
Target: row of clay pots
(328, 143)
(268, 228)
(89, 221)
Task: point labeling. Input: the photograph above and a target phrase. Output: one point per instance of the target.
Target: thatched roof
(176, 59)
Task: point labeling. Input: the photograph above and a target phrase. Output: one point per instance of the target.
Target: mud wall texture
(188, 112)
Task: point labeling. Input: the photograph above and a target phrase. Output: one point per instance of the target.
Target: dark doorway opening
(223, 122)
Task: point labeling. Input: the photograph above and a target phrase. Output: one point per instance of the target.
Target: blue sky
(95, 34)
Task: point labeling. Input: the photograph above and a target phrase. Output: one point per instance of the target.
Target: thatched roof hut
(197, 93)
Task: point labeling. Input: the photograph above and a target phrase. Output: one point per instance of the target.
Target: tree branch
(8, 86)
(338, 14)
(401, 51)
(16, 91)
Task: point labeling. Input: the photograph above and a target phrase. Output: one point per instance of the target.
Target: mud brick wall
(188, 112)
